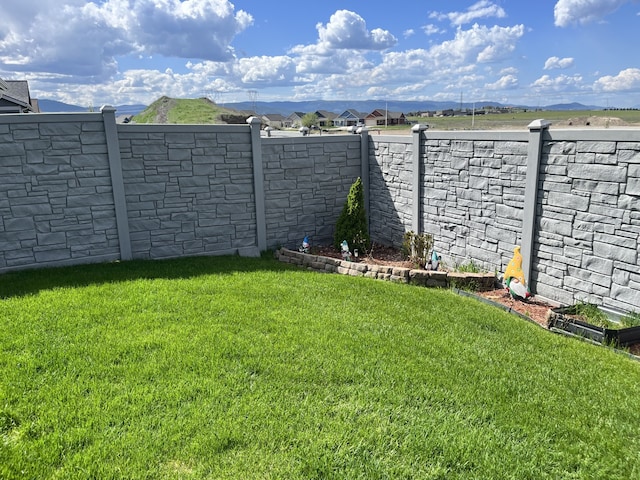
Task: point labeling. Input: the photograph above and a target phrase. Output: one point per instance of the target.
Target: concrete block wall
(390, 203)
(473, 195)
(189, 189)
(307, 180)
(56, 199)
(76, 188)
(588, 228)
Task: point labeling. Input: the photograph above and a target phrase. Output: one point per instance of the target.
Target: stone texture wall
(473, 197)
(189, 190)
(471, 190)
(390, 173)
(587, 244)
(307, 180)
(56, 200)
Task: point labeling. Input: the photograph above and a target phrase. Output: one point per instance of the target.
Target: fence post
(117, 181)
(416, 180)
(364, 167)
(258, 183)
(536, 130)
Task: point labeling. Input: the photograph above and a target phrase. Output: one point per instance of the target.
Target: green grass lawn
(247, 368)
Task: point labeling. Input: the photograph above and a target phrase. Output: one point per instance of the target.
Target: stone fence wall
(78, 188)
(189, 189)
(570, 198)
(56, 196)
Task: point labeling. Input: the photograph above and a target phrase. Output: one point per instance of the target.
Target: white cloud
(559, 83)
(408, 33)
(432, 29)
(481, 9)
(556, 62)
(507, 82)
(567, 12)
(348, 30)
(478, 44)
(626, 80)
(272, 70)
(341, 46)
(84, 39)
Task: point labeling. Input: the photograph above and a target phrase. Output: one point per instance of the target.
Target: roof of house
(274, 117)
(17, 91)
(382, 113)
(351, 113)
(325, 114)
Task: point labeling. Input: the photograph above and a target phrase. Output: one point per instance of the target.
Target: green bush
(417, 247)
(352, 223)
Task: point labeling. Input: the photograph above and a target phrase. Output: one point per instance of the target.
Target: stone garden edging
(423, 278)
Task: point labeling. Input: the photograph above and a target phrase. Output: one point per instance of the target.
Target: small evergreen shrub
(352, 223)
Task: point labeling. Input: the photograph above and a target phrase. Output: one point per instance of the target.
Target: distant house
(294, 120)
(349, 118)
(273, 120)
(15, 97)
(381, 118)
(325, 118)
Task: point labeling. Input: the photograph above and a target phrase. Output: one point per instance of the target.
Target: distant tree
(309, 119)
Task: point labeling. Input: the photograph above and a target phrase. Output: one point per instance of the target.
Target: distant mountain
(367, 106)
(53, 106)
(335, 106)
(339, 106)
(571, 106)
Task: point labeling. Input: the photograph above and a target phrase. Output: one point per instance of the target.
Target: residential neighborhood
(326, 119)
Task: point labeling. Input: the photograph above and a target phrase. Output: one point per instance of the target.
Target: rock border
(423, 278)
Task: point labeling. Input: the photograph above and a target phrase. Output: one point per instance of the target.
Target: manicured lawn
(247, 368)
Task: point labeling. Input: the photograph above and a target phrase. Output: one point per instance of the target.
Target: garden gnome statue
(434, 262)
(514, 277)
(346, 254)
(304, 248)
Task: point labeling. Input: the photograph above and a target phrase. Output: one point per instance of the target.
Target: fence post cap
(539, 124)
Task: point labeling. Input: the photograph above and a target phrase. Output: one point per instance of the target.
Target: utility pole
(253, 98)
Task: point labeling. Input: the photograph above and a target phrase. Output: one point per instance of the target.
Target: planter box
(561, 318)
(425, 278)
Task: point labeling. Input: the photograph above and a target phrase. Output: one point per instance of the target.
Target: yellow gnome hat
(514, 268)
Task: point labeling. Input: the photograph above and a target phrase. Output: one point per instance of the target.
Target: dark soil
(379, 255)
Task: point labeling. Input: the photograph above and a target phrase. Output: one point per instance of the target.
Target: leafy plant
(631, 319)
(470, 267)
(417, 247)
(592, 314)
(352, 223)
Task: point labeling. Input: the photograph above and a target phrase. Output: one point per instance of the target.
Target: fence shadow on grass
(28, 282)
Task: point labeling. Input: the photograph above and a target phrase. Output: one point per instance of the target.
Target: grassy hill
(188, 111)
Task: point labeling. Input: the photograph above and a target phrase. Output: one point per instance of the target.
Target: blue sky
(510, 51)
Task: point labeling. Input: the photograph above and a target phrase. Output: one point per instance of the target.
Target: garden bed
(391, 269)
(569, 319)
